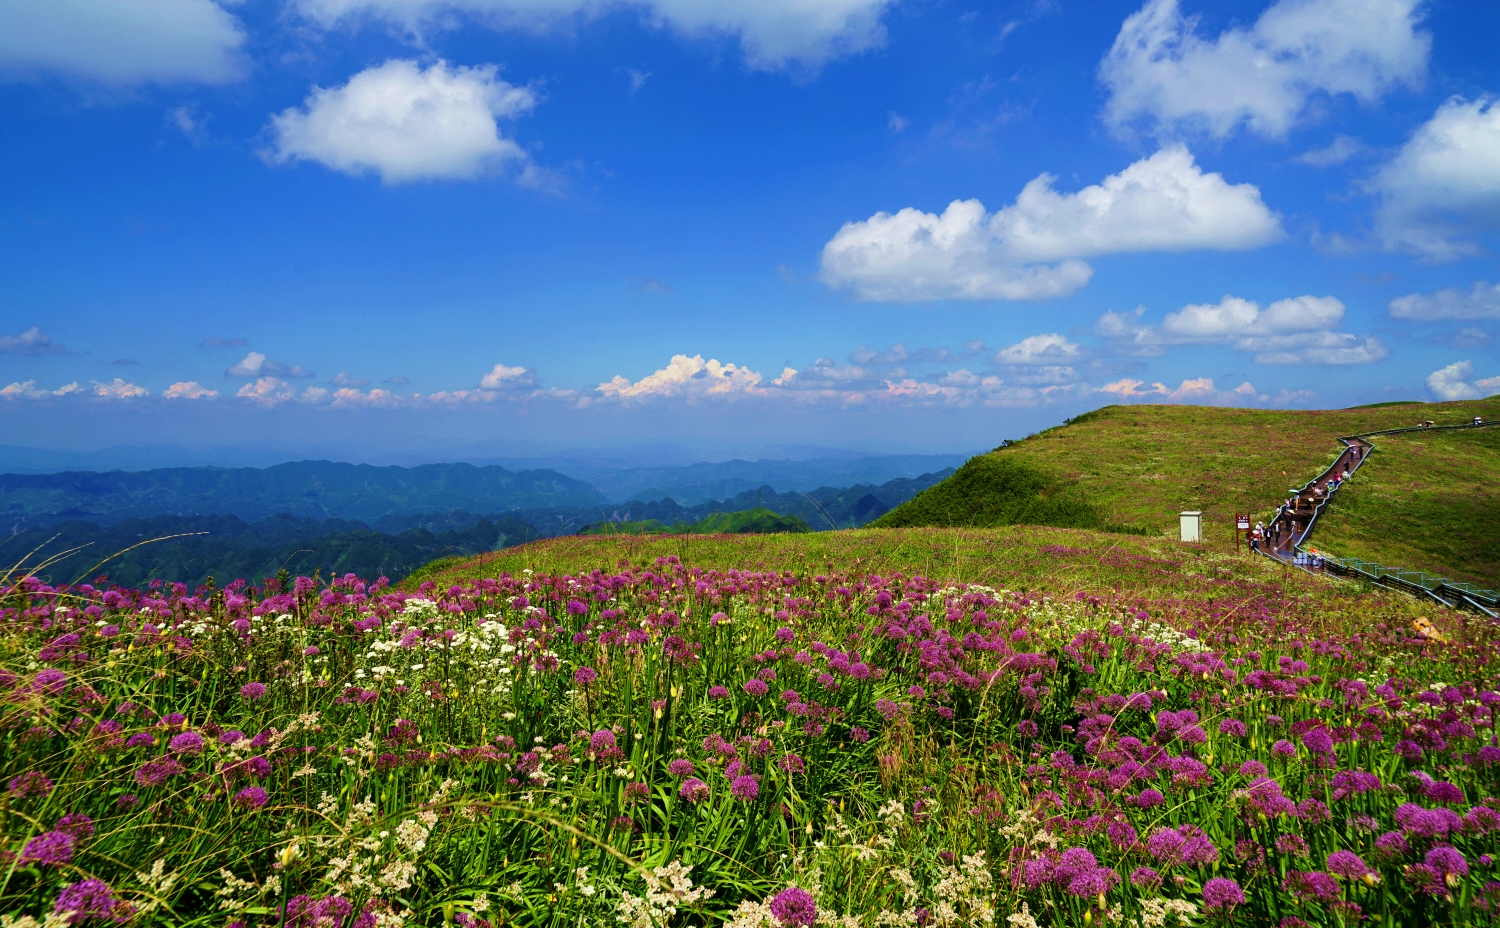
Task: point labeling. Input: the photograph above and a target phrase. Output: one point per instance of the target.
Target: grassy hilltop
(1138, 466)
(1425, 500)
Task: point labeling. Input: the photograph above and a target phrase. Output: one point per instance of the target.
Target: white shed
(1192, 525)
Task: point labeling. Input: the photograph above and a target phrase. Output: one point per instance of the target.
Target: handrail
(1411, 580)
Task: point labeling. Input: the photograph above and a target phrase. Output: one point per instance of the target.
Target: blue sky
(859, 223)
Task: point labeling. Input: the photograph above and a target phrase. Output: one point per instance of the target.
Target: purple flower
(50, 849)
(138, 739)
(859, 734)
(1318, 740)
(601, 741)
(1294, 845)
(1392, 845)
(794, 906)
(80, 826)
(1086, 884)
(1447, 861)
(1234, 728)
(252, 691)
(1445, 793)
(1149, 799)
(756, 687)
(1121, 834)
(1313, 884)
(252, 797)
(785, 635)
(31, 783)
(1145, 878)
(1252, 768)
(1347, 863)
(1220, 894)
(583, 676)
(745, 788)
(681, 767)
(717, 692)
(189, 742)
(693, 790)
(1026, 728)
(158, 771)
(1165, 844)
(50, 682)
(89, 899)
(791, 763)
(1284, 748)
(307, 912)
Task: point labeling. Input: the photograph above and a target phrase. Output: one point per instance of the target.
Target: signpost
(1241, 524)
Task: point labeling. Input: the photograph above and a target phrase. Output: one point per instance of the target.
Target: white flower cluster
(668, 888)
(1155, 912)
(964, 894)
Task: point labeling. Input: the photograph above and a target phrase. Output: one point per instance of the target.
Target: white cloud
(267, 391)
(1197, 390)
(1161, 203)
(407, 124)
(1482, 302)
(31, 341)
(1039, 349)
(1291, 331)
(188, 390)
(1341, 149)
(256, 364)
(691, 377)
(121, 42)
(1451, 383)
(1444, 183)
(28, 390)
(1233, 316)
(1163, 73)
(118, 389)
(342, 379)
(772, 33)
(501, 377)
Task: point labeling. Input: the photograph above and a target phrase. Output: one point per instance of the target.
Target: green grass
(1425, 501)
(1141, 465)
(991, 490)
(1064, 561)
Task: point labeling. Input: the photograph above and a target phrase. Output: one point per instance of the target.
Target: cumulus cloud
(118, 389)
(772, 33)
(1452, 383)
(1049, 349)
(267, 391)
(342, 379)
(28, 390)
(1197, 390)
(122, 42)
(1481, 302)
(502, 377)
(1161, 72)
(188, 390)
(1032, 248)
(408, 124)
(31, 341)
(1444, 184)
(1298, 330)
(256, 364)
(690, 377)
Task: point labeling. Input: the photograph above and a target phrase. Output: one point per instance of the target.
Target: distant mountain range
(372, 521)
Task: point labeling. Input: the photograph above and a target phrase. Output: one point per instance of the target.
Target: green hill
(1426, 501)
(1140, 465)
(746, 522)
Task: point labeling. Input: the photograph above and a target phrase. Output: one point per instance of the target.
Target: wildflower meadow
(669, 745)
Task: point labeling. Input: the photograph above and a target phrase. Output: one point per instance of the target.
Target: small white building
(1192, 525)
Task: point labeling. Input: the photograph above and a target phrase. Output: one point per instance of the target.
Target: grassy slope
(1427, 501)
(1142, 464)
(1061, 561)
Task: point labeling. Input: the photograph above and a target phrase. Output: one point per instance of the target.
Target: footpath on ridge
(1286, 537)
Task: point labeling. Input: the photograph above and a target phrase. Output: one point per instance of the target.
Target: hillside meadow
(1017, 727)
(1136, 467)
(1427, 501)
